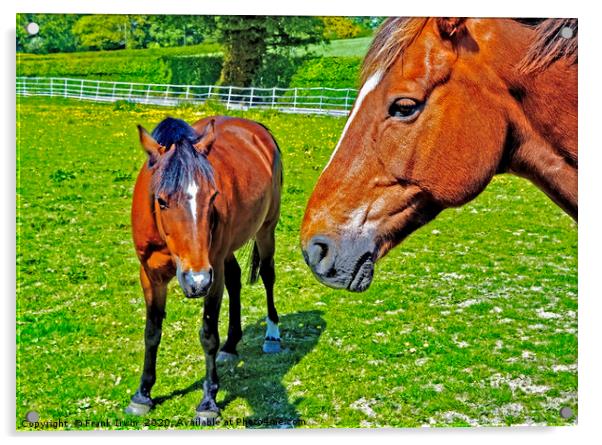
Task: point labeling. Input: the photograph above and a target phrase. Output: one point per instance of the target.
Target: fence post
(321, 97)
(229, 96)
(81, 89)
(165, 97)
(51, 87)
(130, 92)
(147, 93)
(347, 100)
(295, 100)
(187, 91)
(251, 98)
(97, 89)
(273, 97)
(65, 88)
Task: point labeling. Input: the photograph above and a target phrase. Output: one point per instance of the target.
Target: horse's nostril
(319, 252)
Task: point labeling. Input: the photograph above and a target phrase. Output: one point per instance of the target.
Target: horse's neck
(544, 115)
(548, 153)
(541, 163)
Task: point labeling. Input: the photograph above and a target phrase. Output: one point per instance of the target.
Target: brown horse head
(184, 191)
(444, 105)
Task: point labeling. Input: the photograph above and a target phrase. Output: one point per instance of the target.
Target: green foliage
(126, 69)
(248, 40)
(471, 320)
(277, 70)
(54, 35)
(73, 32)
(194, 70)
(161, 65)
(332, 72)
(179, 30)
(340, 28)
(106, 32)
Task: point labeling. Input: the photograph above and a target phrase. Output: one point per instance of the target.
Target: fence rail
(318, 100)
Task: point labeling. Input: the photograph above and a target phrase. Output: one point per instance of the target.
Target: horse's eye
(404, 108)
(162, 203)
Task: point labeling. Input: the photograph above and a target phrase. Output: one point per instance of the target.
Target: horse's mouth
(362, 274)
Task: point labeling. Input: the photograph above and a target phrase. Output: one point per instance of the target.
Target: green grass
(472, 320)
(357, 47)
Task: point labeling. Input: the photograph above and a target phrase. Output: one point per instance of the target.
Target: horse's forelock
(392, 38)
(179, 166)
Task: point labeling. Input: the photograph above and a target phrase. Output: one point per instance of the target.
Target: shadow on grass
(257, 377)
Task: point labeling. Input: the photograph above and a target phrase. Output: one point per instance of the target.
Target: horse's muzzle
(346, 264)
(196, 284)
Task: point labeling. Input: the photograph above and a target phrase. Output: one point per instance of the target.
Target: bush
(331, 72)
(340, 28)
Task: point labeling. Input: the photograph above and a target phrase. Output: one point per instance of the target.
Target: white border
(590, 242)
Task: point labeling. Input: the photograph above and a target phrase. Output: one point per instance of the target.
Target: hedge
(190, 65)
(194, 70)
(187, 67)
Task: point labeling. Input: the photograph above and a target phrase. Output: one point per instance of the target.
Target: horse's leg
(207, 411)
(232, 279)
(266, 246)
(155, 297)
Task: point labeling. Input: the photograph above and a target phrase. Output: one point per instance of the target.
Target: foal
(205, 191)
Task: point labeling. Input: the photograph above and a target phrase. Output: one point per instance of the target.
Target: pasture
(471, 321)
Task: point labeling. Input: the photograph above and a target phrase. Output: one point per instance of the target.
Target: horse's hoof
(137, 409)
(206, 418)
(271, 346)
(226, 357)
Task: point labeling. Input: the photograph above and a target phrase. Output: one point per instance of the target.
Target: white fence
(320, 100)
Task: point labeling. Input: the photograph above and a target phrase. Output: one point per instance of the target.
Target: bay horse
(204, 191)
(445, 104)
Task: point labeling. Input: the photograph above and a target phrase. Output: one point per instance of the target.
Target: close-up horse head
(444, 105)
(184, 193)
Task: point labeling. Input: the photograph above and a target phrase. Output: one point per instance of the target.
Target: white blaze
(191, 191)
(370, 84)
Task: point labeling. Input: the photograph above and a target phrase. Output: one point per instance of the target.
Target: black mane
(182, 163)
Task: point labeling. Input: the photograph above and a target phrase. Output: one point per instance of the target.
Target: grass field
(357, 47)
(472, 320)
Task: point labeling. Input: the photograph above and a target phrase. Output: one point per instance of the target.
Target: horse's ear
(151, 147)
(203, 145)
(451, 27)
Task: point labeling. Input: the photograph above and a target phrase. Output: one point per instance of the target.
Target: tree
(54, 36)
(179, 30)
(101, 32)
(250, 42)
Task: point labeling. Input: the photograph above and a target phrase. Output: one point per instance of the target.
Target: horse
(445, 104)
(205, 191)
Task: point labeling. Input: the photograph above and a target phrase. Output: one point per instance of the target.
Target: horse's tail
(254, 264)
